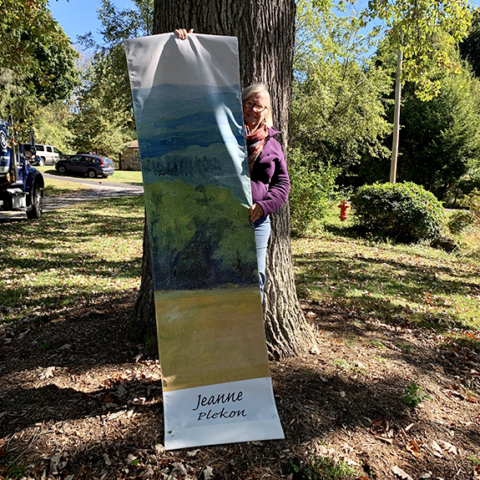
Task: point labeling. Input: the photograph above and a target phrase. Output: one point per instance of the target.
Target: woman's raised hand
(182, 33)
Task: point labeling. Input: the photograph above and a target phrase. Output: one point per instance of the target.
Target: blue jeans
(262, 234)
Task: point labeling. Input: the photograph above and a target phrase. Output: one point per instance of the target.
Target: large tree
(36, 58)
(266, 35)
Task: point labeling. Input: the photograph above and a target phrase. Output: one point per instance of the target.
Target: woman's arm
(279, 185)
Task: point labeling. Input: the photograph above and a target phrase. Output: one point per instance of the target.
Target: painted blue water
(194, 134)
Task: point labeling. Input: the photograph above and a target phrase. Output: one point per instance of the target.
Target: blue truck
(21, 185)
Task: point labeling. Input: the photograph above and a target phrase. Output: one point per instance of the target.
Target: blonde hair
(257, 88)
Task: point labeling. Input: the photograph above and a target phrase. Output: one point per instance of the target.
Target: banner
(215, 374)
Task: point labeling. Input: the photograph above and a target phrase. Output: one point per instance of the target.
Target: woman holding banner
(268, 170)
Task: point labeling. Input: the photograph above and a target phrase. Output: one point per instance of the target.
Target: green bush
(472, 201)
(405, 212)
(460, 220)
(312, 191)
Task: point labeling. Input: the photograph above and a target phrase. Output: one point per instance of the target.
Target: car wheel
(92, 174)
(36, 205)
(61, 169)
(41, 162)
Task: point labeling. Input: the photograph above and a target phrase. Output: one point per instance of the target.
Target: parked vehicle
(86, 164)
(45, 154)
(21, 185)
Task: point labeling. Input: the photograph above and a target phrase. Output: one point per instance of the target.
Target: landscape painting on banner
(215, 374)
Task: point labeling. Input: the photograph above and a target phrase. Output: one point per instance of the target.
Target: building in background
(129, 159)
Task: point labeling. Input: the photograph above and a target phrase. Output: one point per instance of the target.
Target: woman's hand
(182, 33)
(256, 212)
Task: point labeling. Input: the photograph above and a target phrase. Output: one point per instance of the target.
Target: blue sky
(78, 17)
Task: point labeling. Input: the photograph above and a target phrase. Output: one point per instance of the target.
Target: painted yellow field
(210, 336)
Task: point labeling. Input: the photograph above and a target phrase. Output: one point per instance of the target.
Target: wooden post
(396, 119)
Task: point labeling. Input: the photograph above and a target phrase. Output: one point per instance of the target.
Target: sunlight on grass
(130, 178)
(120, 176)
(77, 253)
(389, 282)
(56, 188)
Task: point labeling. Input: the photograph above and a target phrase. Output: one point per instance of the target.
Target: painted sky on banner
(193, 91)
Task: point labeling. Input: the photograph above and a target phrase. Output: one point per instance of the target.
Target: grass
(344, 365)
(95, 249)
(389, 282)
(89, 251)
(322, 468)
(57, 188)
(120, 176)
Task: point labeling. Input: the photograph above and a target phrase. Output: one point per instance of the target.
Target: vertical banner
(215, 374)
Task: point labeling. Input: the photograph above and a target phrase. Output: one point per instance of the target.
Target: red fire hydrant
(343, 210)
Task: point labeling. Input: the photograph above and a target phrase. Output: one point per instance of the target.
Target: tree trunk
(266, 36)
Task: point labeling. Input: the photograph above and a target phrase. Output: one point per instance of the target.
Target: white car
(48, 154)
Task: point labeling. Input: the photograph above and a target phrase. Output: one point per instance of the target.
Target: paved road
(99, 190)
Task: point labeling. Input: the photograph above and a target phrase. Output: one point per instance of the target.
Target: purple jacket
(269, 177)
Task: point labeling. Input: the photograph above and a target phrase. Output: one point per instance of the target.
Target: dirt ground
(79, 402)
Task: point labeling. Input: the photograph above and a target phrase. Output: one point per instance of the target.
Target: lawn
(390, 390)
(120, 176)
(395, 283)
(90, 250)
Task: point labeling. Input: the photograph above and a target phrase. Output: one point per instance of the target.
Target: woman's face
(251, 114)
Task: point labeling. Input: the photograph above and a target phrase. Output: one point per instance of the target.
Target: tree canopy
(105, 120)
(424, 30)
(37, 61)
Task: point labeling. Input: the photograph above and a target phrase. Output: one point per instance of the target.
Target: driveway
(99, 190)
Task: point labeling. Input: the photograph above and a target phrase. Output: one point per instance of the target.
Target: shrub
(312, 191)
(472, 201)
(404, 211)
(460, 220)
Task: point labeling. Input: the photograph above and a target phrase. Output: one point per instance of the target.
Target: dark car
(86, 164)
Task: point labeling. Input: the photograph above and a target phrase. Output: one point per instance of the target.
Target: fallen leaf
(149, 473)
(116, 414)
(350, 462)
(159, 449)
(207, 473)
(400, 473)
(47, 373)
(449, 447)
(412, 447)
(55, 463)
(384, 439)
(178, 468)
(437, 449)
(192, 453)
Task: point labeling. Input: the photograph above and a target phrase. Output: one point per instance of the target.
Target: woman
(268, 170)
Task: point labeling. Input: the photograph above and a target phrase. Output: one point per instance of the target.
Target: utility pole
(396, 119)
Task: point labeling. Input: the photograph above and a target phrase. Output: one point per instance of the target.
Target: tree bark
(266, 36)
